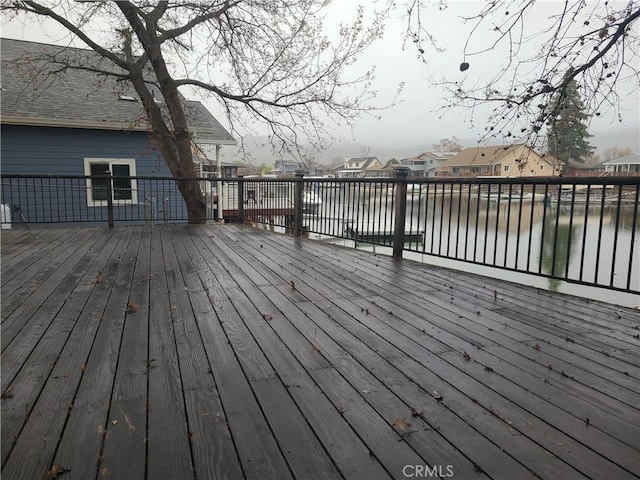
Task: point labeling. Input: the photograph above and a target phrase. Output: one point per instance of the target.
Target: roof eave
(213, 141)
(67, 123)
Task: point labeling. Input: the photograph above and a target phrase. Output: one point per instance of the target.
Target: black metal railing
(579, 230)
(57, 199)
(583, 230)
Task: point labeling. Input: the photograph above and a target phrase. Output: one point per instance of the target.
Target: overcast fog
(416, 121)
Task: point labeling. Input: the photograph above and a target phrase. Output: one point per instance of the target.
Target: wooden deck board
(225, 351)
(80, 317)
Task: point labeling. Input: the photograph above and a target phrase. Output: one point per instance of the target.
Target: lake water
(594, 244)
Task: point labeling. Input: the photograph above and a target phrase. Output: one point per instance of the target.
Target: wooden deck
(224, 351)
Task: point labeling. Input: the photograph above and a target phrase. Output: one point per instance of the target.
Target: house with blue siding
(76, 122)
(426, 164)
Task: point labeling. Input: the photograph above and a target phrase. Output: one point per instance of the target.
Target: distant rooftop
(626, 160)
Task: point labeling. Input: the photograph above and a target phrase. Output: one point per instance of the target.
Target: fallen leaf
(104, 471)
(401, 423)
(536, 347)
(267, 317)
(55, 471)
(7, 393)
(467, 357)
(132, 307)
(293, 285)
(114, 422)
(436, 395)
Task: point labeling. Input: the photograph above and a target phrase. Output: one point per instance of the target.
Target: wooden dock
(226, 352)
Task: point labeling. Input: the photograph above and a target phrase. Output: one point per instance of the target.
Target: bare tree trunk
(175, 145)
(194, 200)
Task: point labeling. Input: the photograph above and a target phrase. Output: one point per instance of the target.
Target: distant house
(627, 165)
(307, 167)
(378, 171)
(427, 164)
(499, 161)
(77, 122)
(356, 167)
(209, 168)
(285, 167)
(579, 169)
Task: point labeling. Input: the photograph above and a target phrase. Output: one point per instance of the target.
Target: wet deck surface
(229, 352)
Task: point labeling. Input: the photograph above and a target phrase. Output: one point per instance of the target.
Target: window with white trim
(506, 168)
(123, 190)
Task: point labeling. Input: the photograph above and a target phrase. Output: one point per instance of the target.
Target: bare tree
(591, 43)
(266, 61)
(452, 144)
(612, 153)
(364, 151)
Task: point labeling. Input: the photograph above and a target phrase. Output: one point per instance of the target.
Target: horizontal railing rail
(582, 230)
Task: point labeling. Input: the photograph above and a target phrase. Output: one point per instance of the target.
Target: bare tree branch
(267, 61)
(591, 43)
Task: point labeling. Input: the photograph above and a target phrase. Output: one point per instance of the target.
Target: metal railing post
(297, 206)
(240, 198)
(400, 213)
(109, 200)
(219, 207)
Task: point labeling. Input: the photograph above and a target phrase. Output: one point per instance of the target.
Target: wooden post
(400, 174)
(297, 206)
(240, 198)
(109, 200)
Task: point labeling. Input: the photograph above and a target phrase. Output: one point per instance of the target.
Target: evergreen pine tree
(567, 134)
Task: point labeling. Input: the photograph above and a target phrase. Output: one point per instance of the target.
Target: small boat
(503, 196)
(375, 232)
(495, 196)
(310, 201)
(594, 194)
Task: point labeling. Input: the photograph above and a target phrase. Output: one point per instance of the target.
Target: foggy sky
(414, 122)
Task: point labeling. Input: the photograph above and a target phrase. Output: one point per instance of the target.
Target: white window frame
(131, 162)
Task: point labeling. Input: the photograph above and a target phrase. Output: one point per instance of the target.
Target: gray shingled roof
(31, 95)
(626, 160)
